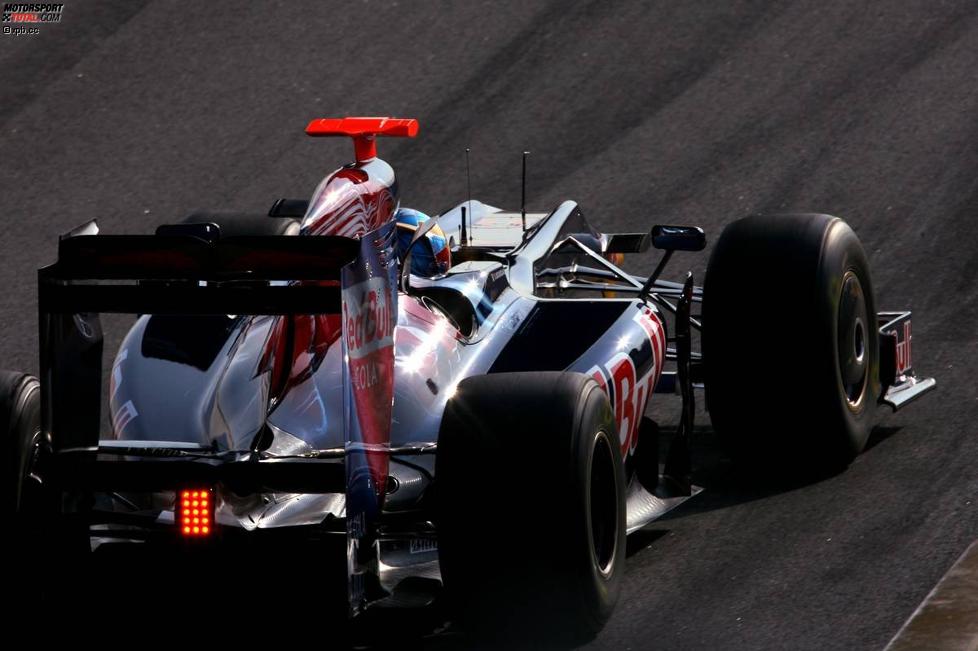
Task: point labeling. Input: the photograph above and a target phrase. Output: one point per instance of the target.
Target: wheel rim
(853, 339)
(603, 505)
(31, 483)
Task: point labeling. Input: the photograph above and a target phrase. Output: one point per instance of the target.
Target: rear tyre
(530, 505)
(790, 343)
(20, 416)
(23, 495)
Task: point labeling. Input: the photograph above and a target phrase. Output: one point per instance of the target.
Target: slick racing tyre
(530, 505)
(234, 224)
(28, 499)
(790, 342)
(20, 415)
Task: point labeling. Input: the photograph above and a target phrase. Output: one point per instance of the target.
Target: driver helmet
(430, 256)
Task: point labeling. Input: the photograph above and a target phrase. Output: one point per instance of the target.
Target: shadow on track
(727, 484)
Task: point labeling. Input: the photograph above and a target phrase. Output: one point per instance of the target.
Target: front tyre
(531, 505)
(790, 342)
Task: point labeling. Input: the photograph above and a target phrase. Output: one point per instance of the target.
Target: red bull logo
(629, 393)
(368, 318)
(903, 361)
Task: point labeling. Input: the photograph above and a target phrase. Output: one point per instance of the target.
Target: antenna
(468, 184)
(523, 197)
(464, 234)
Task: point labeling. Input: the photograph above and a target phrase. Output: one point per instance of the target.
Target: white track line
(948, 617)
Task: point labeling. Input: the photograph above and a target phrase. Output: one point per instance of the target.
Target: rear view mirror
(678, 238)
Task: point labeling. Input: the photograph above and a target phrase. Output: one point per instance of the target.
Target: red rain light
(194, 513)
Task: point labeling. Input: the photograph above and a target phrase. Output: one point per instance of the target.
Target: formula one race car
(458, 400)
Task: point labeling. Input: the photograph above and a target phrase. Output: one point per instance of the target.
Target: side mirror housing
(678, 238)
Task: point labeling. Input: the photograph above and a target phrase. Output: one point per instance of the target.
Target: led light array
(195, 512)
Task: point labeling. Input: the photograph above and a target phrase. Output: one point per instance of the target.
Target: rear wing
(163, 274)
(183, 274)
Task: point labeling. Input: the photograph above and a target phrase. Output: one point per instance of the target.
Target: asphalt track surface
(138, 112)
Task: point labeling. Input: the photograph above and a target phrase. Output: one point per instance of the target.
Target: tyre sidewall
(20, 416)
(599, 592)
(841, 254)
